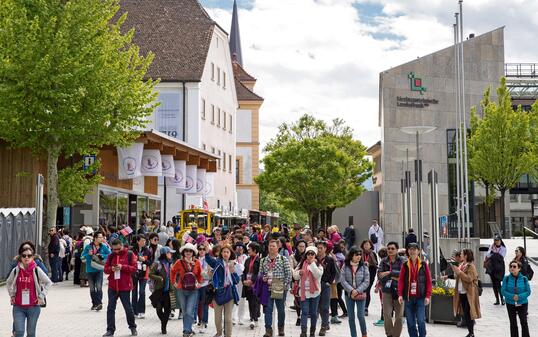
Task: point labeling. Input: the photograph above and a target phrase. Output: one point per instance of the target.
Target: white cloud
(317, 56)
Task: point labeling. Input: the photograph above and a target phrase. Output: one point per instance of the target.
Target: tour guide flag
(190, 182)
(168, 166)
(209, 190)
(180, 172)
(200, 181)
(129, 161)
(151, 163)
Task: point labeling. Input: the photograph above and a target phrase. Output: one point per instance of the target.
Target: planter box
(440, 310)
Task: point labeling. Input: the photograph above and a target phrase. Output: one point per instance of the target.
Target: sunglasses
(358, 254)
(391, 248)
(155, 239)
(310, 253)
(201, 248)
(513, 266)
(26, 256)
(188, 251)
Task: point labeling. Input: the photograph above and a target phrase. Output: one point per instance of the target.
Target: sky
(323, 57)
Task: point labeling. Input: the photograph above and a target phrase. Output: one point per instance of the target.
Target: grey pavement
(68, 314)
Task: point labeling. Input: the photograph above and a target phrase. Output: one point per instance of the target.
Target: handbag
(358, 297)
(97, 263)
(334, 291)
(277, 289)
(295, 289)
(223, 295)
(44, 304)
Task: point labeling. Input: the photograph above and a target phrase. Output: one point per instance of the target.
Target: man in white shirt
(375, 234)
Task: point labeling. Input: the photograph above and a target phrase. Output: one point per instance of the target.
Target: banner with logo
(151, 163)
(180, 172)
(209, 189)
(200, 181)
(168, 167)
(190, 182)
(129, 161)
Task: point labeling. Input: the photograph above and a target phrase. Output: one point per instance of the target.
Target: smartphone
(454, 263)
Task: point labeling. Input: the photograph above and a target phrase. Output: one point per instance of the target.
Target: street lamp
(418, 130)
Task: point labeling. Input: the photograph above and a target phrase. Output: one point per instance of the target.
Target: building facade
(248, 121)
(198, 102)
(422, 93)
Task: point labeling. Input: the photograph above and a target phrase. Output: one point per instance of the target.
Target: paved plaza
(68, 314)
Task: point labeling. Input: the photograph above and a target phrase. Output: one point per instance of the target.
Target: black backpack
(530, 272)
(373, 238)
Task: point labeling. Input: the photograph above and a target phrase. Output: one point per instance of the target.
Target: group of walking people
(252, 270)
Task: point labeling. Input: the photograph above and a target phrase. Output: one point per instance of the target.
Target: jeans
(351, 304)
(281, 313)
(415, 313)
(111, 309)
(95, 281)
(202, 309)
(309, 307)
(324, 304)
(188, 300)
(522, 312)
(55, 268)
(27, 315)
(163, 308)
(138, 296)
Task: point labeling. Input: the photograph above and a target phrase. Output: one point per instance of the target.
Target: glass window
(237, 180)
(154, 208)
(223, 80)
(212, 114)
(141, 209)
(230, 124)
(218, 117)
(218, 75)
(212, 149)
(219, 160)
(513, 197)
(230, 163)
(123, 209)
(212, 71)
(107, 208)
(203, 109)
(224, 120)
(224, 161)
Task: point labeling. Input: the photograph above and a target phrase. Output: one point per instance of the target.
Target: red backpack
(188, 281)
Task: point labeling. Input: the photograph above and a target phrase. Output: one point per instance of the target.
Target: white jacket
(41, 280)
(316, 271)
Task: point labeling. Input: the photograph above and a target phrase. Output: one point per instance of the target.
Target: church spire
(235, 38)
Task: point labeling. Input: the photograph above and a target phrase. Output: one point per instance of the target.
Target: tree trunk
(52, 185)
(503, 222)
(313, 217)
(329, 214)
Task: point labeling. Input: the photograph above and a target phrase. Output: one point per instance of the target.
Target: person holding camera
(95, 255)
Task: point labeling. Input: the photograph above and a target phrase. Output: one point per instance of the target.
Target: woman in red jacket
(186, 274)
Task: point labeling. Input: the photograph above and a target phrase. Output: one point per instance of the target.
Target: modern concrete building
(248, 125)
(422, 93)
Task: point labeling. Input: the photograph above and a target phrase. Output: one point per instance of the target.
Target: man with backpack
(120, 266)
(186, 274)
(375, 234)
(95, 255)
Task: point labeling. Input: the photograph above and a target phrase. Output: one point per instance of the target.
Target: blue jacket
(218, 275)
(516, 286)
(103, 250)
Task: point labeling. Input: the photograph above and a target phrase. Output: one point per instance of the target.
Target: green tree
(70, 82)
(269, 202)
(311, 166)
(501, 145)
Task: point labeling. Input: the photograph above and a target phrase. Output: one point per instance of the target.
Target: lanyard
(272, 264)
(413, 270)
(366, 257)
(251, 264)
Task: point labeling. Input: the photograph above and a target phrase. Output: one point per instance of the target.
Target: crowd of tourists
(252, 270)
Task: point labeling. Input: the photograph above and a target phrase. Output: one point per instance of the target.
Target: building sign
(168, 115)
(416, 83)
(410, 102)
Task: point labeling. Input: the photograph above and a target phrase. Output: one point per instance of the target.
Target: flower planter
(440, 310)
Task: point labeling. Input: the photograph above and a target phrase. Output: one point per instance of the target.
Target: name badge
(26, 297)
(117, 274)
(307, 285)
(249, 276)
(413, 288)
(139, 265)
(388, 284)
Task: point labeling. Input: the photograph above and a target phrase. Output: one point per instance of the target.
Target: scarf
(307, 275)
(166, 265)
(414, 276)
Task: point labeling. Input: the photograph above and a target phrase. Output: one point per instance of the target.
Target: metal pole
(467, 202)
(458, 142)
(404, 223)
(419, 195)
(524, 238)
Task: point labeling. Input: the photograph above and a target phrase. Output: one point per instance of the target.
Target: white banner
(168, 167)
(180, 172)
(129, 161)
(200, 181)
(209, 189)
(151, 163)
(190, 182)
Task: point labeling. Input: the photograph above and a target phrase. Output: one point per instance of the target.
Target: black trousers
(373, 271)
(163, 309)
(467, 313)
(338, 301)
(521, 311)
(496, 283)
(253, 307)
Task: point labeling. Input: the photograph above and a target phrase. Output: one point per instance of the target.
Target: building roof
(244, 93)
(241, 74)
(374, 148)
(178, 32)
(235, 37)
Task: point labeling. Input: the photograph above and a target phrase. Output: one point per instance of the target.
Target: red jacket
(178, 271)
(423, 279)
(124, 283)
